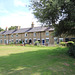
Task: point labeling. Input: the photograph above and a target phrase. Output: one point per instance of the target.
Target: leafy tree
(12, 27)
(1, 29)
(50, 12)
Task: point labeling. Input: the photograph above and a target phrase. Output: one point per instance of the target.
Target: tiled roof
(50, 29)
(22, 30)
(2, 32)
(37, 29)
(9, 32)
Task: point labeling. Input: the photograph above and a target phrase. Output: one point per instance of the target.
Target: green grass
(19, 60)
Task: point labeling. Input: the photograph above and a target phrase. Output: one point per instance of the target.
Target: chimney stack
(6, 29)
(32, 25)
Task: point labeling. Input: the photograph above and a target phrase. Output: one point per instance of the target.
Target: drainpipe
(8, 38)
(40, 38)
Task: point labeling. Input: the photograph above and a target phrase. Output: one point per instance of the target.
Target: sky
(16, 13)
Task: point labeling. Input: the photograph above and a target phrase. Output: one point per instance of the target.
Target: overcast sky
(16, 13)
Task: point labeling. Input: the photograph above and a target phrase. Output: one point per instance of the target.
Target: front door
(43, 41)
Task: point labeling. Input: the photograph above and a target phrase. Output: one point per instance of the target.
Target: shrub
(36, 43)
(71, 50)
(69, 43)
(62, 43)
(20, 42)
(12, 43)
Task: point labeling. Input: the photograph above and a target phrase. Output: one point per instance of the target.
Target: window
(47, 33)
(1, 40)
(4, 36)
(47, 40)
(12, 40)
(12, 35)
(25, 40)
(5, 41)
(16, 40)
(55, 40)
(9, 41)
(0, 36)
(34, 34)
(39, 40)
(34, 40)
(25, 34)
(60, 39)
(16, 35)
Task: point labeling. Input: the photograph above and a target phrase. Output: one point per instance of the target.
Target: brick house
(30, 35)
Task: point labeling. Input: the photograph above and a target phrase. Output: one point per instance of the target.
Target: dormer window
(25, 34)
(47, 33)
(34, 34)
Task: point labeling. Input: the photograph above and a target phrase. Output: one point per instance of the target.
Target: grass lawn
(19, 60)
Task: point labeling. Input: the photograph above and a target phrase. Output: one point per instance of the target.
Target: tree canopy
(12, 27)
(1, 29)
(59, 13)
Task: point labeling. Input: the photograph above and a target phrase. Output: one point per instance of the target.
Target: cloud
(18, 19)
(19, 3)
(3, 11)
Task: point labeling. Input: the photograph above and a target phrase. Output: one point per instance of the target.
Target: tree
(50, 12)
(1, 29)
(12, 27)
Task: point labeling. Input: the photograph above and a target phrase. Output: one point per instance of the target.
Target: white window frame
(12, 35)
(25, 34)
(0, 36)
(47, 33)
(5, 41)
(34, 40)
(16, 35)
(60, 39)
(55, 40)
(48, 41)
(0, 40)
(26, 40)
(11, 40)
(16, 41)
(35, 34)
(4, 36)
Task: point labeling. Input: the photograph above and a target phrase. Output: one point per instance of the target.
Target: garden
(28, 60)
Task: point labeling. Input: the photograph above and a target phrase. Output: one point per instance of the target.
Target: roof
(22, 30)
(37, 29)
(50, 29)
(2, 32)
(9, 32)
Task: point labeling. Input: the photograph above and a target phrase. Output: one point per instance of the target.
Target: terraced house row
(30, 35)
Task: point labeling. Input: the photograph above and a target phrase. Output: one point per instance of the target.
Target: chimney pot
(32, 25)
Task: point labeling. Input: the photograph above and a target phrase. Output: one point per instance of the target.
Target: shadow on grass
(41, 62)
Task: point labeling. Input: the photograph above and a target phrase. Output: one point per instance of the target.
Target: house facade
(30, 35)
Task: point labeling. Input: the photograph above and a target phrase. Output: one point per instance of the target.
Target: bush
(36, 43)
(12, 43)
(69, 43)
(20, 42)
(62, 43)
(71, 50)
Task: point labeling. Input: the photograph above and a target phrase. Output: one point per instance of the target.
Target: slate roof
(49, 29)
(9, 32)
(22, 30)
(2, 32)
(37, 29)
